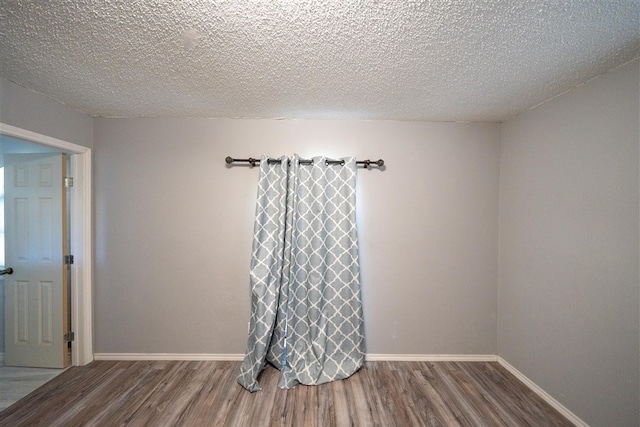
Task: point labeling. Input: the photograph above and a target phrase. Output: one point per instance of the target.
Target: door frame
(81, 241)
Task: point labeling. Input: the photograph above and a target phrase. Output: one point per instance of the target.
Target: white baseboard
(431, 358)
(168, 356)
(235, 357)
(543, 394)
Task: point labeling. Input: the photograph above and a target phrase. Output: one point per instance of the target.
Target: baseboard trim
(543, 394)
(431, 358)
(235, 357)
(169, 356)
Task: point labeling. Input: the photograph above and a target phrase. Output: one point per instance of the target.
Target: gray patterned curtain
(306, 310)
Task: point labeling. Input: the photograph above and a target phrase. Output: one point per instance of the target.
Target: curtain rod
(253, 161)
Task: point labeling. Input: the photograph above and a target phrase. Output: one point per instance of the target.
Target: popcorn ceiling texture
(441, 60)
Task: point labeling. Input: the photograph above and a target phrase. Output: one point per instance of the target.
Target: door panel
(36, 313)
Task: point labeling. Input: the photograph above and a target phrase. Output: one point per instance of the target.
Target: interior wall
(174, 227)
(29, 110)
(569, 224)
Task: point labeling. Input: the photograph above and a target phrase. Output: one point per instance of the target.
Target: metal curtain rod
(253, 161)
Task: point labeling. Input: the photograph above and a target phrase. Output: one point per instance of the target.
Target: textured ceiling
(480, 60)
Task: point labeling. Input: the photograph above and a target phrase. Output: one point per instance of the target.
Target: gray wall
(174, 227)
(26, 109)
(569, 202)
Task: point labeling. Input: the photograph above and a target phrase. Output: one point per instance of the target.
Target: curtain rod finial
(229, 160)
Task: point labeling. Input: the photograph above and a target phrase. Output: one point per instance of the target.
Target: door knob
(6, 271)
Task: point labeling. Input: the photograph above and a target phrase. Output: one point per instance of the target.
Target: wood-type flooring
(205, 393)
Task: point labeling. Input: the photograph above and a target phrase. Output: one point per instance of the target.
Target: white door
(36, 312)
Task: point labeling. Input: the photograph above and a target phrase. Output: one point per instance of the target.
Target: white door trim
(81, 239)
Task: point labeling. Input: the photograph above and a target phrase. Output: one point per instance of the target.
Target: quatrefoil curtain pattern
(306, 308)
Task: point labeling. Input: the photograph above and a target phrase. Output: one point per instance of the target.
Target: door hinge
(68, 259)
(69, 336)
(68, 181)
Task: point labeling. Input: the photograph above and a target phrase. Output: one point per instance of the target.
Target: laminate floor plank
(201, 407)
(458, 408)
(400, 386)
(304, 406)
(127, 385)
(378, 400)
(529, 405)
(478, 400)
(216, 397)
(359, 399)
(437, 412)
(494, 396)
(206, 393)
(228, 398)
(325, 406)
(136, 385)
(382, 388)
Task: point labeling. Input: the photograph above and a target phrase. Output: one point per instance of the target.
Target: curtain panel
(306, 308)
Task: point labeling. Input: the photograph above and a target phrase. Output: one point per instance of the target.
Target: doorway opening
(80, 238)
(35, 236)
